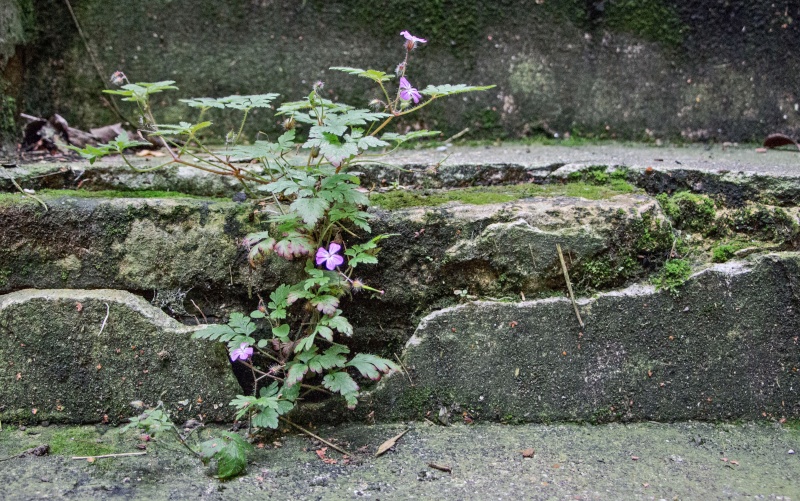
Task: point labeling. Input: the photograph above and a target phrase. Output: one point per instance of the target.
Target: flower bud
(289, 123)
(315, 152)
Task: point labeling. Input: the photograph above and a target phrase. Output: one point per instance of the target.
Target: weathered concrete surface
(184, 249)
(736, 173)
(620, 68)
(725, 348)
(637, 461)
(81, 356)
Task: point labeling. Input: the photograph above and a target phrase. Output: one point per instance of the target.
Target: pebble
(791, 451)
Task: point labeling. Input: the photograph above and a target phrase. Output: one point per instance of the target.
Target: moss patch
(482, 195)
(689, 211)
(674, 273)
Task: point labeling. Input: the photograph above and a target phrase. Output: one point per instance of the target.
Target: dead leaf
(78, 306)
(150, 153)
(34, 411)
(528, 453)
(734, 462)
(321, 453)
(389, 443)
(778, 140)
(90, 459)
(635, 458)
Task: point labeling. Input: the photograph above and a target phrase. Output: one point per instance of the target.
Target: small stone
(45, 423)
(791, 451)
(239, 197)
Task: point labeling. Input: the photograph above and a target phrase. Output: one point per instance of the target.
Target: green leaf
(278, 302)
(368, 142)
(324, 331)
(402, 138)
(267, 418)
(310, 209)
(330, 146)
(210, 448)
(257, 314)
(333, 357)
(305, 344)
(215, 332)
(372, 366)
(281, 332)
(181, 129)
(340, 382)
(249, 102)
(341, 324)
(449, 90)
(325, 303)
(141, 91)
(203, 102)
(374, 75)
(296, 373)
(232, 459)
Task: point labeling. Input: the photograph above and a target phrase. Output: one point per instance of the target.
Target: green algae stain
(648, 19)
(400, 199)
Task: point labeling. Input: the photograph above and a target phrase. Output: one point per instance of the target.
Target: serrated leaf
(368, 142)
(203, 102)
(232, 459)
(372, 366)
(324, 331)
(305, 344)
(326, 304)
(340, 382)
(341, 324)
(248, 102)
(210, 447)
(310, 209)
(267, 418)
(449, 90)
(402, 138)
(297, 372)
(374, 75)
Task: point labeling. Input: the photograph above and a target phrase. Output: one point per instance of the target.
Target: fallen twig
(310, 434)
(201, 311)
(124, 454)
(25, 193)
(456, 136)
(405, 371)
(108, 310)
(445, 469)
(569, 284)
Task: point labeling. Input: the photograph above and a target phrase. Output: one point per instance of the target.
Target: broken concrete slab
(725, 347)
(81, 356)
(181, 250)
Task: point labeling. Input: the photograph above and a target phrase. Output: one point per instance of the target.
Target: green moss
(78, 441)
(13, 197)
(768, 223)
(648, 19)
(636, 247)
(399, 199)
(673, 275)
(689, 211)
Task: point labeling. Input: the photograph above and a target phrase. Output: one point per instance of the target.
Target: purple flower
(329, 256)
(407, 92)
(411, 40)
(243, 352)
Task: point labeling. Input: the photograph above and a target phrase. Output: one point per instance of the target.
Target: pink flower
(243, 352)
(330, 257)
(407, 92)
(411, 40)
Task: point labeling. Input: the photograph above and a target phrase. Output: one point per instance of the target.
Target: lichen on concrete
(81, 356)
(531, 360)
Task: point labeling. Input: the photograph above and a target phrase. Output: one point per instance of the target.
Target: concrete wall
(702, 69)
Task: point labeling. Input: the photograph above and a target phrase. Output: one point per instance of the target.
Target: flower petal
(333, 248)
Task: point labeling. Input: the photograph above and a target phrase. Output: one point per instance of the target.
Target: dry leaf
(734, 462)
(78, 306)
(389, 443)
(90, 459)
(778, 140)
(34, 411)
(150, 153)
(528, 453)
(635, 458)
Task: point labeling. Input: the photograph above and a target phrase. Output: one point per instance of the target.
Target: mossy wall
(697, 70)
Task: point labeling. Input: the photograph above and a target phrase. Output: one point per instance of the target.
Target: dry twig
(569, 284)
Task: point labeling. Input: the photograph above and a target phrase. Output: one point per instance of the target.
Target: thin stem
(241, 127)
